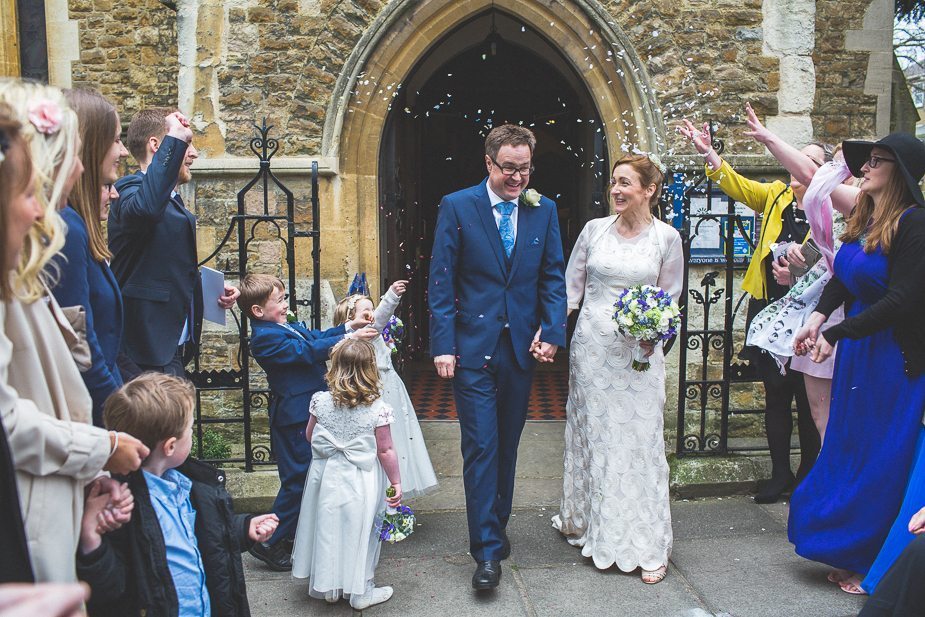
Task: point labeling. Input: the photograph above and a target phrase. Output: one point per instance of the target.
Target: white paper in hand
(213, 288)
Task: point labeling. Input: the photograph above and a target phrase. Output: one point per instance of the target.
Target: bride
(615, 487)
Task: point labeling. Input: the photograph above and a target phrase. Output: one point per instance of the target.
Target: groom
(497, 304)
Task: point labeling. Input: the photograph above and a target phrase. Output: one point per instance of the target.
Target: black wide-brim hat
(908, 151)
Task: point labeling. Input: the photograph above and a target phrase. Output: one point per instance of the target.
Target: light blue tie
(506, 228)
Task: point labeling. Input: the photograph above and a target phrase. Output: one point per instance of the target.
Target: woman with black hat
(842, 513)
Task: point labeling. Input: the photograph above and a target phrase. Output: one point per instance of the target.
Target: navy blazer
(474, 289)
(295, 365)
(152, 237)
(83, 281)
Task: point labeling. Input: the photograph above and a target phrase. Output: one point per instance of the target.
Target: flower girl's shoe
(376, 595)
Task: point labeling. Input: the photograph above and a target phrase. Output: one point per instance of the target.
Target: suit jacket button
(500, 317)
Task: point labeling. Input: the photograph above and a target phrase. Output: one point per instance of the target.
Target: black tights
(780, 390)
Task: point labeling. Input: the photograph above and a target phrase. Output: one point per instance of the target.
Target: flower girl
(417, 472)
(337, 541)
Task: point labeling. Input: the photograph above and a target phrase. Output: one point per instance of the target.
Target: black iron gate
(709, 369)
(244, 228)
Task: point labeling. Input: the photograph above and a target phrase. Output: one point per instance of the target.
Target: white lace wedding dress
(615, 487)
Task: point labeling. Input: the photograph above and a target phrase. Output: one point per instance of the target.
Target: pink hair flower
(45, 116)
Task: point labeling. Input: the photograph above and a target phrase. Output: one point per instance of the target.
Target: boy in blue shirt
(294, 359)
(181, 552)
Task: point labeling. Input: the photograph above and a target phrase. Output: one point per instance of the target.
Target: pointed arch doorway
(489, 70)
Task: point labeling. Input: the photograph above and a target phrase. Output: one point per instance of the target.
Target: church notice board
(709, 228)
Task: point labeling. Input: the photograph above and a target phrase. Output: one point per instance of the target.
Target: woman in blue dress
(843, 511)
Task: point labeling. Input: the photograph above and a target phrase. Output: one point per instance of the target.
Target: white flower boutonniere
(531, 197)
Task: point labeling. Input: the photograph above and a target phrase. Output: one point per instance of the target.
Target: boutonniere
(531, 197)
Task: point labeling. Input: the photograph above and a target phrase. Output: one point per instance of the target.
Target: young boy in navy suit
(294, 359)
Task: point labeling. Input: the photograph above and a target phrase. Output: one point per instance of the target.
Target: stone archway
(402, 34)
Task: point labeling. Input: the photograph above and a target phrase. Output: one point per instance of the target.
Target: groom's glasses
(510, 170)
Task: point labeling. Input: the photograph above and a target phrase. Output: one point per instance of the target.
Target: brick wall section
(128, 51)
(841, 110)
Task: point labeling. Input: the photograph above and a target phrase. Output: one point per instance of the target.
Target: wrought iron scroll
(243, 228)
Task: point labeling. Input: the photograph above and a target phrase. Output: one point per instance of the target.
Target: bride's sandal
(852, 585)
(651, 577)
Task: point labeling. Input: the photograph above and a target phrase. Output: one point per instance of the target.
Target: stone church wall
(128, 51)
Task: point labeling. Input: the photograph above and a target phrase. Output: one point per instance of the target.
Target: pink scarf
(818, 206)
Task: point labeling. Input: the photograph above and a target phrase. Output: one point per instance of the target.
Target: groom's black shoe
(487, 575)
(505, 545)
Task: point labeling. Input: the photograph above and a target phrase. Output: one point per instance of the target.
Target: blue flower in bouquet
(397, 523)
(646, 313)
(393, 332)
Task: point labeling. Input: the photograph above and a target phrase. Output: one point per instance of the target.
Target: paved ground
(731, 557)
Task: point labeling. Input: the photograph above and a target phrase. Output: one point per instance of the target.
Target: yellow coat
(769, 199)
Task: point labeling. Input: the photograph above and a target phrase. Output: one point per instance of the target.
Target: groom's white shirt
(495, 200)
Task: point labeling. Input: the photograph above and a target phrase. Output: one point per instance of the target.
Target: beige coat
(54, 458)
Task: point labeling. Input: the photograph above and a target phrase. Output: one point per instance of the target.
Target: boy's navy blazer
(295, 365)
(475, 289)
(152, 237)
(85, 282)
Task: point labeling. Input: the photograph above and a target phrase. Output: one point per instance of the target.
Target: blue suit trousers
(293, 457)
(491, 403)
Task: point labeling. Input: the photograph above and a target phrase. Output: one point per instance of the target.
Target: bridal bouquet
(647, 313)
(393, 332)
(398, 522)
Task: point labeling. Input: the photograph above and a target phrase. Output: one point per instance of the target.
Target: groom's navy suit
(485, 309)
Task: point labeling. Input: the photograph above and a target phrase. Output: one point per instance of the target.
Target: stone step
(539, 472)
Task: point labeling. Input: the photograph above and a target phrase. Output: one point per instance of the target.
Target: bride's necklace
(631, 232)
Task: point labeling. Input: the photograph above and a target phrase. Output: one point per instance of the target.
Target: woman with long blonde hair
(46, 408)
(843, 511)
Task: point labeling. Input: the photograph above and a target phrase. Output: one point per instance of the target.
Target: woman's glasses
(874, 161)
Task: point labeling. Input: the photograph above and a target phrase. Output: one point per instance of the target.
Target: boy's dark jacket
(128, 573)
(295, 365)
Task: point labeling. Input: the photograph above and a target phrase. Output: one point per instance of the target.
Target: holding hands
(262, 527)
(808, 341)
(108, 506)
(542, 352)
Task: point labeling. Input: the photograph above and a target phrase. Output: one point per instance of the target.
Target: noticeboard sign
(709, 227)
